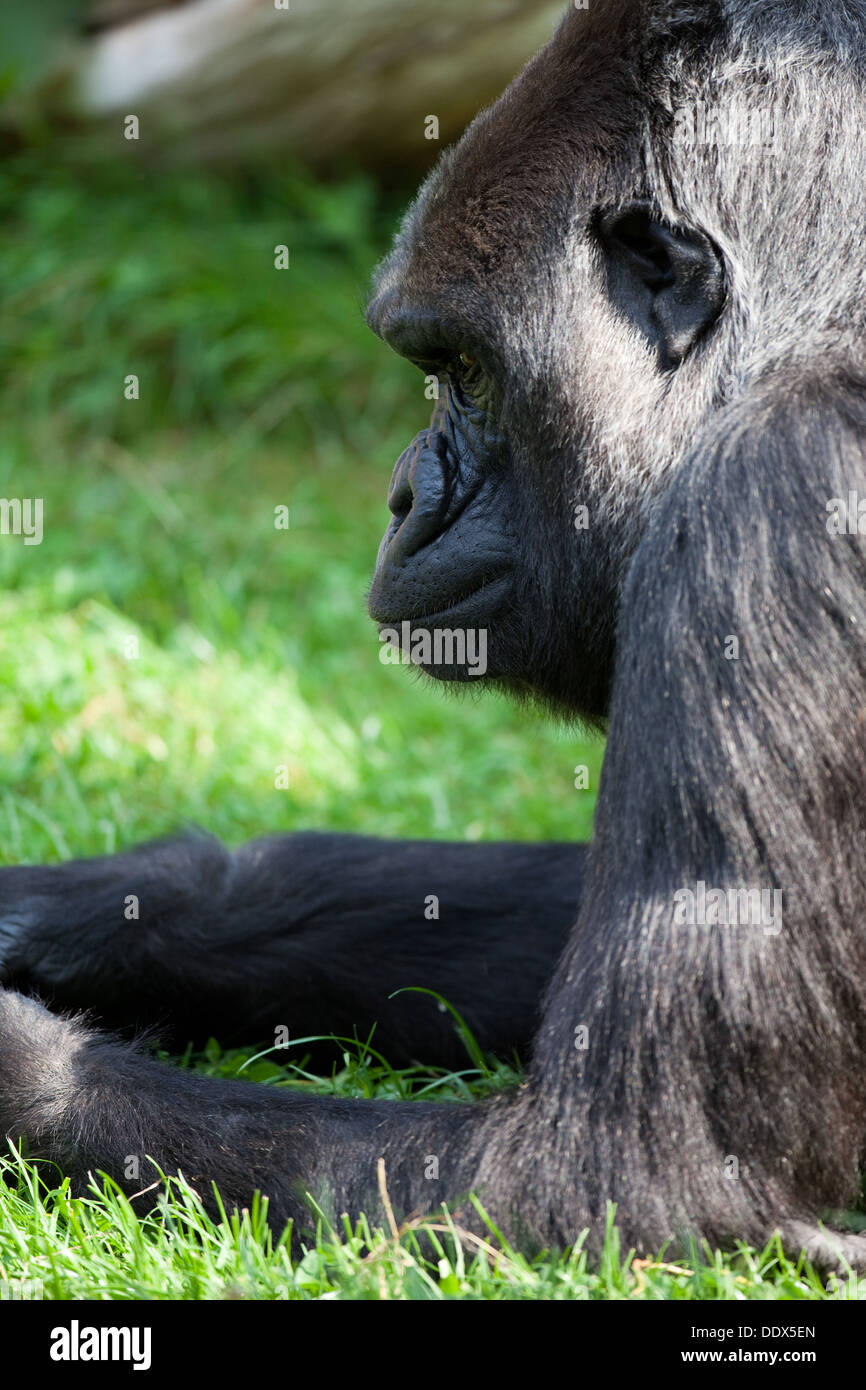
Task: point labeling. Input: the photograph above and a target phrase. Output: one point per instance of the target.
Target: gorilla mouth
(479, 601)
(445, 554)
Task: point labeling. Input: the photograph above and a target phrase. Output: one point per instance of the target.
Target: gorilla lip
(489, 592)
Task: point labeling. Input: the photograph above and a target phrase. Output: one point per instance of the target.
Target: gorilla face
(574, 331)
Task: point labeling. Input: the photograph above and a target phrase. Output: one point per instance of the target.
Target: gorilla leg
(92, 1104)
(313, 932)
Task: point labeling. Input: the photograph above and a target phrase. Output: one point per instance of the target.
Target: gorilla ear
(668, 281)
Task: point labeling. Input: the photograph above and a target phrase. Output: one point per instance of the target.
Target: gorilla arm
(312, 932)
(715, 1041)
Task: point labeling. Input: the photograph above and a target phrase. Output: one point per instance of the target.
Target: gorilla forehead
(565, 136)
(497, 201)
(570, 130)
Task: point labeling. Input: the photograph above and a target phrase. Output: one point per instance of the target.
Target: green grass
(257, 389)
(97, 1247)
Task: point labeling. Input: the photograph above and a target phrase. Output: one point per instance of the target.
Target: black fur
(667, 329)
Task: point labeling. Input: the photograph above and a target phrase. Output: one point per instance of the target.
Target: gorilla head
(593, 277)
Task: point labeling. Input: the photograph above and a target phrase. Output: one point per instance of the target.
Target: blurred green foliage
(30, 35)
(176, 276)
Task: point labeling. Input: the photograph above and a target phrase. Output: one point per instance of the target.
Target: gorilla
(640, 279)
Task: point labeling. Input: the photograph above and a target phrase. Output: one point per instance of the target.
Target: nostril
(419, 494)
(400, 495)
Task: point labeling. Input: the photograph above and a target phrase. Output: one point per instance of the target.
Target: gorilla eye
(467, 373)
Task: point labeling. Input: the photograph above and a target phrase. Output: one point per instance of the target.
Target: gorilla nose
(441, 545)
(420, 495)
